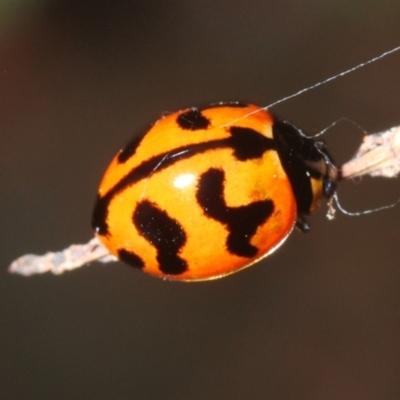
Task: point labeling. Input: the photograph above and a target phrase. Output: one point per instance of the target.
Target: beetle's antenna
(365, 212)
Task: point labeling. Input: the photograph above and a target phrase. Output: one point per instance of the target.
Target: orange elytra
(208, 191)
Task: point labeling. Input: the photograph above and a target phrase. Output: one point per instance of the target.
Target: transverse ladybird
(208, 191)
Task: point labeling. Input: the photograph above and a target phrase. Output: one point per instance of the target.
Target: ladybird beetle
(208, 191)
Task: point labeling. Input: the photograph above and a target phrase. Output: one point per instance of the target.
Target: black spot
(242, 222)
(130, 258)
(129, 149)
(248, 143)
(193, 120)
(164, 233)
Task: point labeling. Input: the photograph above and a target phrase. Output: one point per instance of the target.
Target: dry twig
(75, 256)
(378, 155)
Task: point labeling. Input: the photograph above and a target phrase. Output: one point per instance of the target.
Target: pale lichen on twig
(75, 256)
(378, 156)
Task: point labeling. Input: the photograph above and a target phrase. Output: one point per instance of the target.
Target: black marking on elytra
(130, 258)
(164, 233)
(130, 149)
(245, 143)
(242, 222)
(193, 120)
(297, 153)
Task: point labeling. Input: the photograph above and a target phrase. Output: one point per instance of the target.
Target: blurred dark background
(319, 319)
